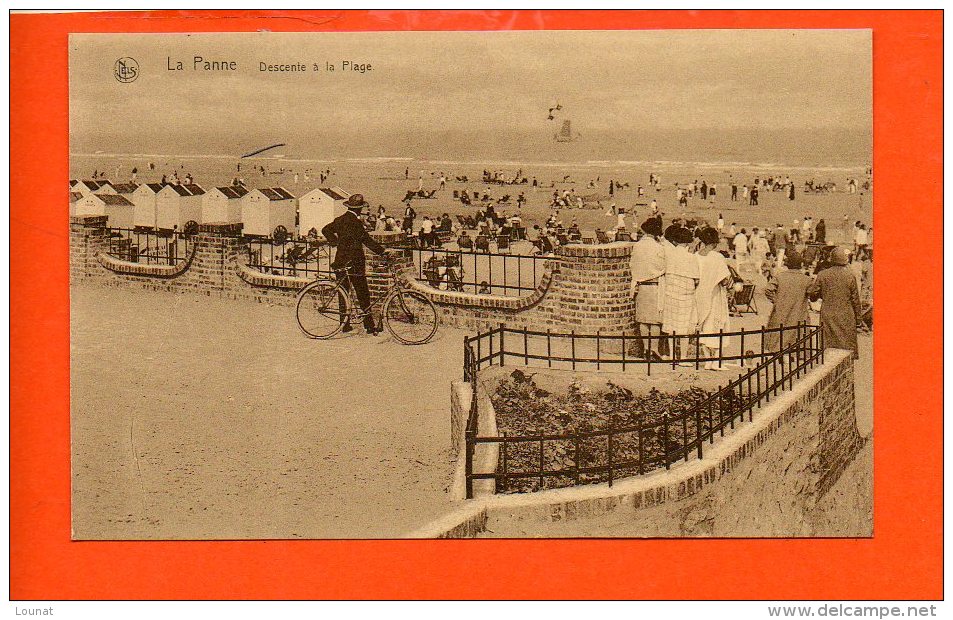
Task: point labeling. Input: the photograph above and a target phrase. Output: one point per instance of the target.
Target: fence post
(698, 426)
(743, 347)
(665, 439)
(549, 349)
(598, 351)
(502, 345)
(525, 346)
(572, 340)
(469, 462)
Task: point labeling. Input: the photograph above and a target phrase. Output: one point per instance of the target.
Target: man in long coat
(840, 310)
(788, 293)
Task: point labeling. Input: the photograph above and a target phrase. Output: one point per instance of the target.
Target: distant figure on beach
(406, 173)
(740, 243)
(720, 227)
(744, 192)
(791, 191)
(734, 192)
(135, 171)
(754, 197)
(820, 232)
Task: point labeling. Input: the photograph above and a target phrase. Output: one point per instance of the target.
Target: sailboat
(565, 134)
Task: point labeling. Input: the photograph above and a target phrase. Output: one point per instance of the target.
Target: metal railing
(642, 442)
(597, 351)
(149, 247)
(303, 258)
(479, 273)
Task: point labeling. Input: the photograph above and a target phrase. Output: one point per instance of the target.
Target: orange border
(903, 560)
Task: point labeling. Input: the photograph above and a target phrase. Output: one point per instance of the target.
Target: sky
(463, 83)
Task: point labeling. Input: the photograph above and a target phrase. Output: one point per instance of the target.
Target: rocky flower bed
(524, 409)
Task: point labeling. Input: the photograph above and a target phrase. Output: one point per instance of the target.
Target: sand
(382, 182)
(202, 418)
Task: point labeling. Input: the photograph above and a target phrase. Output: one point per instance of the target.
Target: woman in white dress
(711, 296)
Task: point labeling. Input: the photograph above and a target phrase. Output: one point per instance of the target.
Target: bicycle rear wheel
(322, 309)
(410, 317)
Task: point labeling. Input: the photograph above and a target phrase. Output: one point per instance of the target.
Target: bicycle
(324, 306)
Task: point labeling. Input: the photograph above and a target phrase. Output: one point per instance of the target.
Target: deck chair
(563, 239)
(462, 220)
(601, 236)
(456, 194)
(503, 243)
(744, 299)
(482, 243)
(623, 236)
(465, 242)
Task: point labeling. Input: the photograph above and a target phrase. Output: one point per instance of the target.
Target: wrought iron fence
(479, 273)
(652, 442)
(150, 247)
(304, 258)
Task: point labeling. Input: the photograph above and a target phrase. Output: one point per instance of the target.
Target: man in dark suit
(347, 232)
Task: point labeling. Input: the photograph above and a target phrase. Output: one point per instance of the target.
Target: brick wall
(586, 288)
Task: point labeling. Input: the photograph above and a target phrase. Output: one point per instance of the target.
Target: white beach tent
(319, 207)
(223, 204)
(144, 198)
(91, 187)
(265, 209)
(178, 205)
(117, 208)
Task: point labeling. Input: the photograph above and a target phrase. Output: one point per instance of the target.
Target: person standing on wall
(347, 232)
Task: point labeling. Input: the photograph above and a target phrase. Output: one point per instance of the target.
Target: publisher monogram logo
(126, 69)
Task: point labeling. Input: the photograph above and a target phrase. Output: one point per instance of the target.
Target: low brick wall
(585, 288)
(763, 479)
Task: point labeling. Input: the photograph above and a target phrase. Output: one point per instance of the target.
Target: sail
(565, 134)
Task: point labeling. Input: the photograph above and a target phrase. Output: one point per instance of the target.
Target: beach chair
(744, 300)
(623, 236)
(563, 239)
(503, 243)
(462, 220)
(456, 194)
(482, 243)
(589, 240)
(464, 242)
(601, 236)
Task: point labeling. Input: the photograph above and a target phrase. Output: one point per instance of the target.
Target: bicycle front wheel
(322, 309)
(410, 317)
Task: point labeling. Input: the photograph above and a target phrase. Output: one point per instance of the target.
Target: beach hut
(223, 204)
(117, 208)
(266, 209)
(318, 207)
(143, 198)
(179, 207)
(91, 187)
(73, 198)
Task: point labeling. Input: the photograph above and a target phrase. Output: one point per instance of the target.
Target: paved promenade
(205, 418)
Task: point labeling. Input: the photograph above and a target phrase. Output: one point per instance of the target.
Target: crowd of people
(682, 285)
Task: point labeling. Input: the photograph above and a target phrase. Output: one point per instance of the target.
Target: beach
(384, 181)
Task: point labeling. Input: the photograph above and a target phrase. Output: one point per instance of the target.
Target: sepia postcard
(552, 284)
